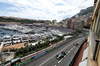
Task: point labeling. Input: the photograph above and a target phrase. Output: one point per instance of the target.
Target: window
(95, 22)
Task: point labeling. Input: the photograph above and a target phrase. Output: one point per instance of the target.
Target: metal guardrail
(76, 53)
(40, 54)
(94, 42)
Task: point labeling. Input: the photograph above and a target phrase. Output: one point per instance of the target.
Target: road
(50, 60)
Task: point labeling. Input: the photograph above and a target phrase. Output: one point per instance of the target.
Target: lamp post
(1, 59)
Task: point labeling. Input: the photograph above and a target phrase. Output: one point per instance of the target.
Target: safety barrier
(23, 62)
(50, 49)
(75, 56)
(30, 59)
(40, 54)
(57, 46)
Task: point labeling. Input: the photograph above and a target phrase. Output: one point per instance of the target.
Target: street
(49, 59)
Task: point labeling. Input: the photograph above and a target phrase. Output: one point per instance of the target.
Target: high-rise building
(54, 22)
(64, 23)
(79, 25)
(73, 23)
(69, 21)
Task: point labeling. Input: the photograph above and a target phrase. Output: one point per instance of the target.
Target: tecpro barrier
(40, 54)
(23, 62)
(57, 46)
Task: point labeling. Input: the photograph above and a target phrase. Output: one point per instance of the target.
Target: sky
(43, 9)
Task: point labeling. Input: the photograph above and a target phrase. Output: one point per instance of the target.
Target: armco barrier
(30, 59)
(50, 49)
(73, 60)
(36, 56)
(23, 62)
(57, 46)
(39, 54)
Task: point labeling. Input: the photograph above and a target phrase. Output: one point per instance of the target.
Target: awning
(83, 63)
(85, 54)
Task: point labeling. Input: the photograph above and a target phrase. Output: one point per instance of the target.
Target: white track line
(56, 54)
(68, 51)
(71, 48)
(60, 60)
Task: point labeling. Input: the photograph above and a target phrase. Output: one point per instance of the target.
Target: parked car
(60, 56)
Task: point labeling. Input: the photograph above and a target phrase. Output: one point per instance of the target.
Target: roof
(85, 54)
(68, 36)
(84, 63)
(7, 36)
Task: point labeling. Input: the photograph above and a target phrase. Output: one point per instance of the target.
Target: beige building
(54, 22)
(93, 47)
(79, 25)
(64, 23)
(38, 24)
(59, 25)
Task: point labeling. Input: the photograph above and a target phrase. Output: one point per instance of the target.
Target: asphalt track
(50, 60)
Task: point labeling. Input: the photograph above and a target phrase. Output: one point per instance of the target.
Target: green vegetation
(75, 32)
(26, 44)
(59, 38)
(33, 48)
(30, 49)
(5, 62)
(85, 11)
(2, 19)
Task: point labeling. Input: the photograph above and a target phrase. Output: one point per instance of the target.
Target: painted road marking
(68, 51)
(60, 60)
(56, 54)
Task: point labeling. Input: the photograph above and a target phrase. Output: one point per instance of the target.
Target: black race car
(60, 56)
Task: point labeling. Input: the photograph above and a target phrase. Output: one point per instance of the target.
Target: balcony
(89, 55)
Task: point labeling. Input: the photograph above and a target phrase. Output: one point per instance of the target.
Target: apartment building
(54, 22)
(69, 21)
(92, 53)
(64, 23)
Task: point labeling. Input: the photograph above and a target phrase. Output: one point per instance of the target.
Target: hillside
(84, 11)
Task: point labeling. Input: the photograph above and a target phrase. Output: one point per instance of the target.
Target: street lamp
(1, 58)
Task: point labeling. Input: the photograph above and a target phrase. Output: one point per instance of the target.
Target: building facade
(73, 23)
(93, 43)
(64, 23)
(54, 22)
(79, 25)
(69, 21)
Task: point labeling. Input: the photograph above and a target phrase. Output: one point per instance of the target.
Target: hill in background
(84, 11)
